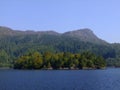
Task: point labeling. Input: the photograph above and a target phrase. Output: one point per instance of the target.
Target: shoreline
(104, 68)
(83, 68)
(5, 68)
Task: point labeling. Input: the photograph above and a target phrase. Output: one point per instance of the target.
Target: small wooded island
(66, 60)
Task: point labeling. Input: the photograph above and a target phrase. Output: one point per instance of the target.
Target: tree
(37, 60)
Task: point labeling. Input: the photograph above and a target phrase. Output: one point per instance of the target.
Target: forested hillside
(16, 43)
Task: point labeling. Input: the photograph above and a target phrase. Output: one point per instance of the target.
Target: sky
(101, 16)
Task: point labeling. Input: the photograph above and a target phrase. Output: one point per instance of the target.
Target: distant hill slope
(85, 35)
(5, 31)
(14, 43)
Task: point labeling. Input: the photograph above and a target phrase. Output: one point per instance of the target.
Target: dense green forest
(14, 43)
(66, 60)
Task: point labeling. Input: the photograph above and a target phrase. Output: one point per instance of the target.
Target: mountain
(86, 35)
(14, 43)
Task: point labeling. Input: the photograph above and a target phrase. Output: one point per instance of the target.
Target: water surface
(60, 79)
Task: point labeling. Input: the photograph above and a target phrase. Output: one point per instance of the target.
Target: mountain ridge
(85, 34)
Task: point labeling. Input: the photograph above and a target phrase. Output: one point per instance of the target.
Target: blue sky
(101, 16)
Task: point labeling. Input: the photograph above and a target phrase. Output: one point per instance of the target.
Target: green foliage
(14, 44)
(31, 61)
(59, 61)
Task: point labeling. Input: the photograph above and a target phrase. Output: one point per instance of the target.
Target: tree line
(62, 60)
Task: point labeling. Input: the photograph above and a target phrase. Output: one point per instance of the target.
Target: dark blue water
(60, 79)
